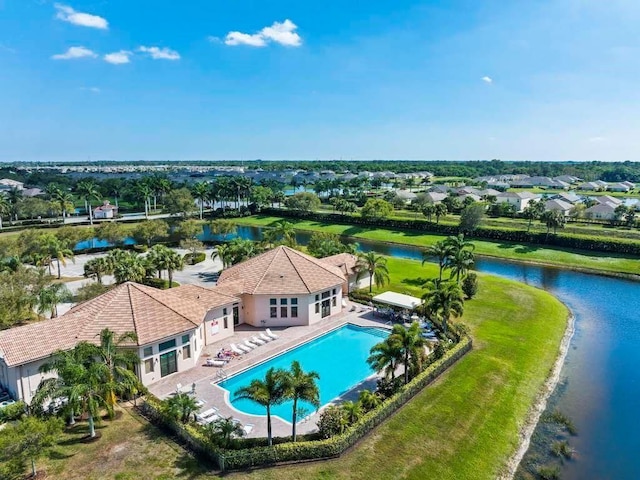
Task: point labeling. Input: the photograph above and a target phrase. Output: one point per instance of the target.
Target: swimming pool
(339, 357)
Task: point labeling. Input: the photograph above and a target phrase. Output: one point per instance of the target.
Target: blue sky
(207, 79)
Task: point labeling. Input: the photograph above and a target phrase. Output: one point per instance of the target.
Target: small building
(519, 200)
(618, 187)
(601, 211)
(347, 263)
(406, 196)
(556, 205)
(595, 186)
(106, 210)
(8, 184)
(568, 197)
(608, 199)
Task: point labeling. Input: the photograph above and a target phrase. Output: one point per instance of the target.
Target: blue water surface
(339, 357)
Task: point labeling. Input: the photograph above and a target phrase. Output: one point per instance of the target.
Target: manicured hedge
(305, 450)
(199, 257)
(576, 242)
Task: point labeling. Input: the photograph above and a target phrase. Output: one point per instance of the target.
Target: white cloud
(486, 79)
(283, 33)
(160, 53)
(597, 139)
(280, 32)
(118, 58)
(239, 38)
(75, 52)
(68, 14)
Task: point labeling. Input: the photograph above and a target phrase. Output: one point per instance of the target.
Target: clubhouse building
(280, 288)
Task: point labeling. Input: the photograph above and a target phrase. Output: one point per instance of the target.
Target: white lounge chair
(249, 344)
(265, 337)
(271, 334)
(207, 416)
(248, 428)
(238, 350)
(244, 348)
(214, 362)
(258, 341)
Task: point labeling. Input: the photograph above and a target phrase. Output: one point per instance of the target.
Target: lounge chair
(248, 428)
(258, 341)
(271, 334)
(249, 344)
(215, 362)
(207, 416)
(244, 348)
(265, 337)
(238, 350)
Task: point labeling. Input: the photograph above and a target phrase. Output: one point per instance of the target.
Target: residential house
(595, 186)
(556, 205)
(618, 187)
(519, 200)
(602, 211)
(8, 184)
(568, 197)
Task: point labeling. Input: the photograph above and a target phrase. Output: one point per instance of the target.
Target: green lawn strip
(512, 251)
(466, 425)
(130, 449)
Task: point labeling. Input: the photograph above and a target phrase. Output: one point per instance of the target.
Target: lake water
(600, 385)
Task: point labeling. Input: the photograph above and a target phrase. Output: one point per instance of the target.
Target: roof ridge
(133, 312)
(273, 259)
(316, 261)
(108, 298)
(163, 303)
(296, 269)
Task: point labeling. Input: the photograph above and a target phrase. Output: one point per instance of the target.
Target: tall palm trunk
(90, 214)
(58, 263)
(72, 418)
(33, 467)
(170, 274)
(92, 427)
(406, 367)
(295, 418)
(269, 440)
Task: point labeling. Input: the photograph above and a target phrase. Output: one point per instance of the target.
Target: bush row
(305, 450)
(576, 242)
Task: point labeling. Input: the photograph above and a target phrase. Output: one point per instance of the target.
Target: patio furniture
(258, 341)
(265, 337)
(212, 362)
(271, 334)
(249, 344)
(236, 349)
(248, 428)
(207, 416)
(243, 347)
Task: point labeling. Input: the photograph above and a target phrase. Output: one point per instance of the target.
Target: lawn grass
(511, 251)
(464, 426)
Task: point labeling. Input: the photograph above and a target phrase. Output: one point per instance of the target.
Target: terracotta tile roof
(346, 262)
(209, 297)
(283, 270)
(151, 313)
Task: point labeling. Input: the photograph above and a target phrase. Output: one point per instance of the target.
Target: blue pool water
(339, 357)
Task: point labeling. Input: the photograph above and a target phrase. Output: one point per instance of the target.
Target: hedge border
(304, 451)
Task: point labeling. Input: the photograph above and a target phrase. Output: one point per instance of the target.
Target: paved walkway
(205, 378)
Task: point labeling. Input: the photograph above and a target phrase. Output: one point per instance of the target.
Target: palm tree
(439, 250)
(284, 231)
(65, 201)
(268, 392)
(376, 266)
(221, 431)
(121, 379)
(97, 267)
(460, 255)
(385, 357)
(126, 266)
(440, 210)
(55, 249)
(88, 190)
(5, 208)
(90, 393)
(444, 299)
(67, 366)
(352, 411)
(223, 252)
(301, 385)
(144, 192)
(14, 197)
(553, 219)
(50, 297)
(201, 192)
(410, 343)
(223, 227)
(369, 400)
(181, 406)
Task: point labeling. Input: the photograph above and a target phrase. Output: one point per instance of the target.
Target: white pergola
(398, 300)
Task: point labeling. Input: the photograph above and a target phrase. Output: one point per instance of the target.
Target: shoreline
(540, 404)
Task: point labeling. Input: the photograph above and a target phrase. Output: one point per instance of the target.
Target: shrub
(12, 412)
(140, 248)
(191, 259)
(91, 290)
(331, 422)
(160, 283)
(561, 419)
(470, 285)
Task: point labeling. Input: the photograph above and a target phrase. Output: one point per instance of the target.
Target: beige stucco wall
(22, 381)
(214, 323)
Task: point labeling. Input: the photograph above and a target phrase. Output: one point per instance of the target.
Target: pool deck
(205, 378)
